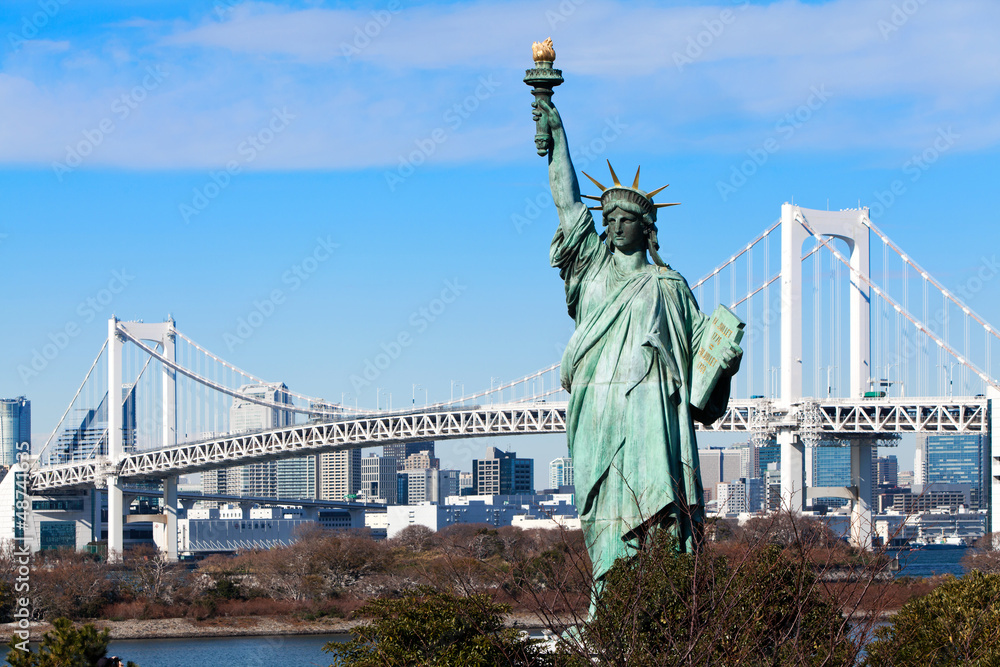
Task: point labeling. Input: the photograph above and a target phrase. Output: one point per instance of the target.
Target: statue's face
(625, 231)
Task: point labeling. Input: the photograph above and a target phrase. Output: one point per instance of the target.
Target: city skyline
(330, 244)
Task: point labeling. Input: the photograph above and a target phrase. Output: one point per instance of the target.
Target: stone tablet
(725, 328)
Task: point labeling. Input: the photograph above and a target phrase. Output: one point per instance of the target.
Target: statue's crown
(619, 192)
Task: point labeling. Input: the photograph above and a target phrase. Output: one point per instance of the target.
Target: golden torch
(543, 78)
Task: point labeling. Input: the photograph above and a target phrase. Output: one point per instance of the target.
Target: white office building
(561, 472)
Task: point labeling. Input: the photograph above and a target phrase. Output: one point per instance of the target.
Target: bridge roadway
(843, 417)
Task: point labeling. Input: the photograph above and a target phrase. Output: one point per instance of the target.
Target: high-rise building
(502, 473)
(831, 466)
(222, 481)
(887, 471)
(89, 439)
(719, 464)
(402, 450)
(465, 485)
(428, 485)
(378, 478)
(766, 455)
(245, 415)
(420, 460)
(741, 495)
(772, 488)
(561, 472)
(421, 486)
(297, 478)
(749, 459)
(15, 428)
(448, 484)
(402, 487)
(952, 459)
(340, 474)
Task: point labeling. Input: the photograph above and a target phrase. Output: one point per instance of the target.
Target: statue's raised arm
(562, 175)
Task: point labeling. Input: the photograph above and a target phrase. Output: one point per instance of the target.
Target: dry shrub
(257, 607)
(72, 585)
(124, 611)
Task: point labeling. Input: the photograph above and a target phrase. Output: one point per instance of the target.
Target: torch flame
(543, 51)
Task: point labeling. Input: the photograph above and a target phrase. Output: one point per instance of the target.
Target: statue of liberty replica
(643, 363)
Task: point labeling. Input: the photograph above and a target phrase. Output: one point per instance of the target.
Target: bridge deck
(832, 416)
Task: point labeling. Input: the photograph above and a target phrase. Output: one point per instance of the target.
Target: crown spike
(593, 180)
(651, 194)
(614, 176)
(635, 183)
(662, 205)
(591, 197)
(595, 208)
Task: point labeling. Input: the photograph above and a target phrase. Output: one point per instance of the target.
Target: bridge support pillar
(793, 492)
(992, 446)
(861, 481)
(116, 520)
(168, 541)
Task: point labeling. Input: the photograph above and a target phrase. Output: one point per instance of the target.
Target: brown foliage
(70, 584)
(417, 538)
(985, 556)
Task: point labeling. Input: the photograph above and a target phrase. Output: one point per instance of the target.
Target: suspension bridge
(886, 341)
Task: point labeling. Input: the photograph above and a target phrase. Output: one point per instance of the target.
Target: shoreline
(233, 626)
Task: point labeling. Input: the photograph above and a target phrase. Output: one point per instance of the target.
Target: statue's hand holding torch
(543, 78)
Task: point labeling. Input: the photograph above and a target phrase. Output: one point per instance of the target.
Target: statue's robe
(628, 370)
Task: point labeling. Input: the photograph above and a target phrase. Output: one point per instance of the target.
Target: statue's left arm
(729, 358)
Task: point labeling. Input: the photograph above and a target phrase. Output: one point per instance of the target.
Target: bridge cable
(69, 407)
(879, 291)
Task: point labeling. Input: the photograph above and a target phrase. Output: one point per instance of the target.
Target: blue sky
(203, 150)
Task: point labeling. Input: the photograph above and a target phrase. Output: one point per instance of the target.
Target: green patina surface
(628, 367)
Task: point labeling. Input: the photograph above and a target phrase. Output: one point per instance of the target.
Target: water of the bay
(927, 563)
(304, 650)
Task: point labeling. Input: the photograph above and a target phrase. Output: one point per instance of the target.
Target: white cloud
(364, 98)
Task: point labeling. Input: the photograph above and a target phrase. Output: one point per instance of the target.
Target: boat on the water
(939, 543)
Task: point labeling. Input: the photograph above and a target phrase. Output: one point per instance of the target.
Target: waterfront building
(535, 511)
(920, 498)
(952, 459)
(831, 466)
(15, 428)
(930, 526)
(226, 530)
(561, 472)
(502, 473)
